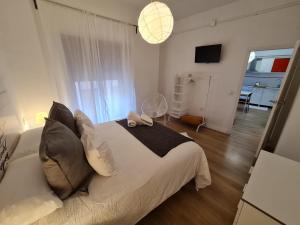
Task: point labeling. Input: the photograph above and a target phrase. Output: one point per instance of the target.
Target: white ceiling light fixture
(156, 22)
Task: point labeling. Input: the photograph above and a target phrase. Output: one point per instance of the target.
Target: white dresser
(272, 195)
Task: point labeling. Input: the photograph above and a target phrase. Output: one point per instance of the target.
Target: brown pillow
(63, 159)
(61, 113)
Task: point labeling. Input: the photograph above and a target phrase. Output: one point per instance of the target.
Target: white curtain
(90, 58)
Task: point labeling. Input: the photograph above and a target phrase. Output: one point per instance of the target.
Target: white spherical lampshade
(156, 22)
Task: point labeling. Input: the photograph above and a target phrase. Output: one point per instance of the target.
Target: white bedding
(143, 181)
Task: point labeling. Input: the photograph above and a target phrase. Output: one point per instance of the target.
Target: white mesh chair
(155, 106)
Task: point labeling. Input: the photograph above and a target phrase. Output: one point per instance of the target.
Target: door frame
(282, 100)
(242, 77)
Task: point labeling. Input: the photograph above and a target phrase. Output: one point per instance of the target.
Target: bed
(142, 182)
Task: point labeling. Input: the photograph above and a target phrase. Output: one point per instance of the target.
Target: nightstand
(272, 195)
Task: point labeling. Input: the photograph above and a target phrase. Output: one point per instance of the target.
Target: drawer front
(250, 216)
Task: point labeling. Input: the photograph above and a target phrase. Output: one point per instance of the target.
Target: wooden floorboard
(229, 158)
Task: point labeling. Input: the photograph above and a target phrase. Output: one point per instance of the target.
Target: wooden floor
(229, 158)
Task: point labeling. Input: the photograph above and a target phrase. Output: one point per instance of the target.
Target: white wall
(277, 29)
(289, 142)
(21, 49)
(6, 106)
(22, 59)
(110, 8)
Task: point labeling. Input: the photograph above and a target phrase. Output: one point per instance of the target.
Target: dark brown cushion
(192, 120)
(63, 159)
(61, 113)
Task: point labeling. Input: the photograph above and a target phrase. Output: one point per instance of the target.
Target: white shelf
(184, 87)
(179, 97)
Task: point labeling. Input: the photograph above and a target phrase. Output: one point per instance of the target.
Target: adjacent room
(123, 112)
(263, 78)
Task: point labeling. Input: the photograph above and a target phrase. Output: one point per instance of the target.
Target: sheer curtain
(91, 61)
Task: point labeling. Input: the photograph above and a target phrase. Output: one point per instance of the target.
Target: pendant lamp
(156, 22)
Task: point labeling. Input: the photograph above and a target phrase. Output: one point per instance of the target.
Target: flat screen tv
(208, 54)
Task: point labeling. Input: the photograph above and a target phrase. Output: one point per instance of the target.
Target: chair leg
(198, 127)
(165, 119)
(248, 107)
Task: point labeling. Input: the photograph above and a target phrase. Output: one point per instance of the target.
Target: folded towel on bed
(134, 119)
(147, 120)
(131, 123)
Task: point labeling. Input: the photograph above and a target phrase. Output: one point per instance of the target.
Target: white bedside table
(272, 195)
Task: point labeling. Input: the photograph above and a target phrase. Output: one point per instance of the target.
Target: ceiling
(183, 8)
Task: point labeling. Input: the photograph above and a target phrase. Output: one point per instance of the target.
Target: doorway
(262, 81)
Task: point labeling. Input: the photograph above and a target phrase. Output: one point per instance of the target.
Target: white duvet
(142, 182)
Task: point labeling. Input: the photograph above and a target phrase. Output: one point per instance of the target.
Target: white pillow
(24, 193)
(100, 158)
(82, 119)
(29, 143)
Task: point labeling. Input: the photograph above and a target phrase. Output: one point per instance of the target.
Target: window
(101, 77)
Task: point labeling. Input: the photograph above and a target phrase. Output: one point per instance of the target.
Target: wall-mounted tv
(208, 54)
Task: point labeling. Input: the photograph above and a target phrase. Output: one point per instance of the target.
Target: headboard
(5, 106)
(8, 117)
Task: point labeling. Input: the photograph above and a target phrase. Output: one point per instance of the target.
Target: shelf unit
(183, 96)
(179, 97)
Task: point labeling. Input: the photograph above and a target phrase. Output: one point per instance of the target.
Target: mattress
(142, 182)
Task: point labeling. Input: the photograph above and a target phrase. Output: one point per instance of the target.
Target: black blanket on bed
(158, 138)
